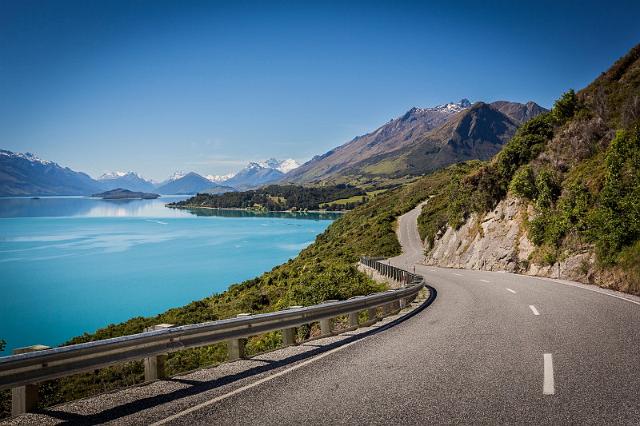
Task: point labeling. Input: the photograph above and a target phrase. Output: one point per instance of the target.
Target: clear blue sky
(156, 86)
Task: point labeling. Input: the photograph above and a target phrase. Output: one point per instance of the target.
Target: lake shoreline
(240, 209)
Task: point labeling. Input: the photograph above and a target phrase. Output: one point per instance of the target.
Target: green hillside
(578, 166)
(279, 198)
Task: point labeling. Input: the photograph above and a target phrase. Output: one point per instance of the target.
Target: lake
(71, 265)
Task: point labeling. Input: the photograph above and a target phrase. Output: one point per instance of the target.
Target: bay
(71, 265)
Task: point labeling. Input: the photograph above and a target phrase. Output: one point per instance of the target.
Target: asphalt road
(493, 348)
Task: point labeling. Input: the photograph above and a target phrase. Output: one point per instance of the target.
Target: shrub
(523, 183)
(565, 107)
(547, 188)
(616, 220)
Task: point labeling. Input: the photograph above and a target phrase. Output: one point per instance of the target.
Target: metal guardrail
(23, 371)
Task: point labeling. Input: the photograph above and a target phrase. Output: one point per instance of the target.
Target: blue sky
(156, 86)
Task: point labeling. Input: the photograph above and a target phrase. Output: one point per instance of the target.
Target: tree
(565, 107)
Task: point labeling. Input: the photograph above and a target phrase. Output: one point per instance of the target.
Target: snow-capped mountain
(178, 174)
(451, 107)
(190, 183)
(125, 180)
(112, 175)
(283, 166)
(26, 174)
(258, 173)
(220, 178)
(25, 156)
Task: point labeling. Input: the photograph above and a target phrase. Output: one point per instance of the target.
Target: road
(492, 348)
(407, 232)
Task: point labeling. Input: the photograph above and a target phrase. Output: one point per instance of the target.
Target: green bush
(565, 107)
(523, 183)
(547, 188)
(616, 220)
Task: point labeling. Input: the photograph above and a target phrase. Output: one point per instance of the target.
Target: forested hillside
(278, 198)
(577, 171)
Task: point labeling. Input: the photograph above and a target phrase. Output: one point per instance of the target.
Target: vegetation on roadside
(281, 198)
(578, 166)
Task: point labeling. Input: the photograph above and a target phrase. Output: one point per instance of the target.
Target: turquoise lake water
(71, 265)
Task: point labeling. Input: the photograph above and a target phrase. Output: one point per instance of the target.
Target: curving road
(493, 348)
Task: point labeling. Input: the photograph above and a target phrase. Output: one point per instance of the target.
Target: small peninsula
(125, 194)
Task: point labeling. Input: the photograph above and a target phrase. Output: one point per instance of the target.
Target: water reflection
(95, 207)
(252, 213)
(90, 207)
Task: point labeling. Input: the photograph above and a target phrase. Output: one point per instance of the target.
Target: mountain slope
(254, 175)
(420, 141)
(130, 180)
(519, 113)
(190, 183)
(475, 133)
(394, 135)
(26, 174)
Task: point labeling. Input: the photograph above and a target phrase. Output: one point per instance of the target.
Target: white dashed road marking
(511, 291)
(548, 387)
(534, 310)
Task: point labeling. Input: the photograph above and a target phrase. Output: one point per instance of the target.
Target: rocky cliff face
(498, 241)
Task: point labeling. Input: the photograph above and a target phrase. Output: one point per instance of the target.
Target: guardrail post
(235, 347)
(353, 320)
(326, 326)
(372, 317)
(403, 303)
(25, 398)
(289, 334)
(386, 309)
(154, 365)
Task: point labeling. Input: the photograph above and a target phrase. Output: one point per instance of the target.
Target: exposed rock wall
(497, 241)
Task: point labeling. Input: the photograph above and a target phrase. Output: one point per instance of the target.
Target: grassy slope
(324, 270)
(579, 166)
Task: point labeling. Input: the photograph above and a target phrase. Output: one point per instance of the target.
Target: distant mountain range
(129, 180)
(27, 175)
(420, 141)
(191, 183)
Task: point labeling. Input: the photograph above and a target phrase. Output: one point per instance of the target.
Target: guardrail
(28, 366)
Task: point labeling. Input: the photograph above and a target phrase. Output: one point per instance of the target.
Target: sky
(159, 86)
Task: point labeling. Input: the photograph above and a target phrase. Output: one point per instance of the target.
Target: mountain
(256, 174)
(220, 178)
(189, 183)
(253, 176)
(26, 174)
(129, 180)
(519, 113)
(478, 132)
(420, 141)
(394, 135)
(283, 166)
